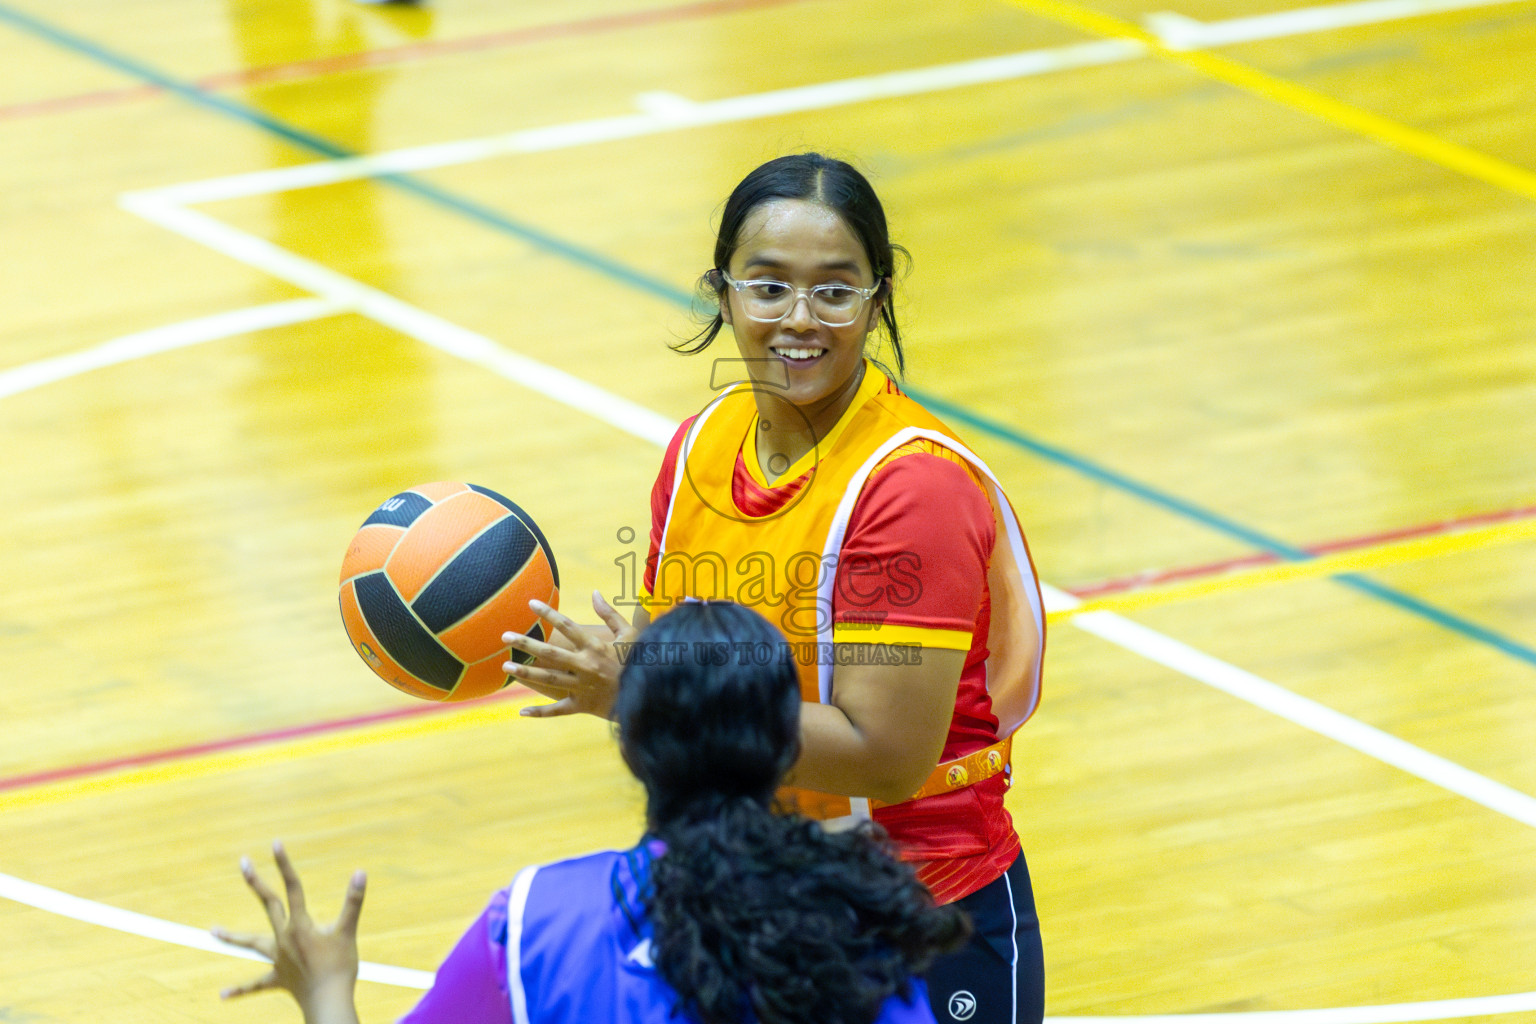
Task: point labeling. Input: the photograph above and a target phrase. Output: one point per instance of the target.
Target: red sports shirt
(913, 567)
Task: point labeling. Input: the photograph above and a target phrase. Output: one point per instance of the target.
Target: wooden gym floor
(1237, 301)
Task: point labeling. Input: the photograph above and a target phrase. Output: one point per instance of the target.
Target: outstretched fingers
(578, 670)
(263, 945)
(352, 905)
(610, 615)
(308, 960)
(580, 638)
(561, 707)
(270, 901)
(296, 907)
(265, 983)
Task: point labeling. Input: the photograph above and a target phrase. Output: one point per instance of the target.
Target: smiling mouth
(798, 354)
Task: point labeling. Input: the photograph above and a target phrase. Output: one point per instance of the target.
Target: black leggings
(999, 976)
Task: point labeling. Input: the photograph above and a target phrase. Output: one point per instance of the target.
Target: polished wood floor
(1241, 314)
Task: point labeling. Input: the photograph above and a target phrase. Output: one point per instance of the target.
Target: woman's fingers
(536, 648)
(270, 901)
(579, 670)
(559, 708)
(609, 614)
(262, 984)
(547, 681)
(263, 944)
(566, 625)
(291, 881)
(352, 906)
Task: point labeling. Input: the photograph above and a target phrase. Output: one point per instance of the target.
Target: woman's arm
(880, 737)
(912, 570)
(885, 728)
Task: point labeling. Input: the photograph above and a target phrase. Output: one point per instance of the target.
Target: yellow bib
(784, 564)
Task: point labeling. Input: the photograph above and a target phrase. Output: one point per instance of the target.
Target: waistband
(948, 776)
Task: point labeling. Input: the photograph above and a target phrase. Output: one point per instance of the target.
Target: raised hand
(316, 963)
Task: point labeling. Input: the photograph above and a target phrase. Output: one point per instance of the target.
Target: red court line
(1155, 577)
(64, 104)
(1137, 581)
(254, 739)
(316, 67)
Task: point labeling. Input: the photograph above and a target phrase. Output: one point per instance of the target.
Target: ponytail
(772, 919)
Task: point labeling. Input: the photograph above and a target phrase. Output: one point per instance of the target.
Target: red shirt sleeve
(661, 500)
(916, 551)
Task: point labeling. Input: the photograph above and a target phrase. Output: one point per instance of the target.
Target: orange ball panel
(482, 679)
(373, 654)
(435, 536)
(370, 549)
(479, 634)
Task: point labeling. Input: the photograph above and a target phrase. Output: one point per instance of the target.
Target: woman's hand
(581, 673)
(316, 963)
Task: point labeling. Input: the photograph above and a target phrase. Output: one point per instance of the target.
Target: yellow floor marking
(1412, 141)
(280, 750)
(1328, 565)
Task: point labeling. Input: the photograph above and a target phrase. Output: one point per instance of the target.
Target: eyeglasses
(834, 303)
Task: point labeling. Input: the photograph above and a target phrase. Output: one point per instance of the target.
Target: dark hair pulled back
(821, 179)
(757, 915)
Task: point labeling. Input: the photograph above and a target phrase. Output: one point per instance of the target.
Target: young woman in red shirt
(816, 492)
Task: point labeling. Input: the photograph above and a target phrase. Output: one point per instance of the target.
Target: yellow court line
(281, 750)
(500, 711)
(1412, 141)
(1329, 565)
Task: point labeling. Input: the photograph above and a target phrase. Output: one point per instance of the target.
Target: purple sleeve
(471, 984)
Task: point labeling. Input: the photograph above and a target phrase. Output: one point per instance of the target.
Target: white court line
(1184, 33)
(672, 115)
(665, 112)
(409, 320)
(64, 905)
(1308, 714)
(164, 339)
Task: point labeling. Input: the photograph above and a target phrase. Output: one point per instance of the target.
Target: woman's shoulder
(925, 473)
(923, 499)
(614, 871)
(599, 862)
(675, 446)
(925, 460)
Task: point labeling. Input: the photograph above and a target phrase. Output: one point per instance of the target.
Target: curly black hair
(758, 915)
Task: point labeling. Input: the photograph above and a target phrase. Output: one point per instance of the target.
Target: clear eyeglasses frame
(768, 301)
